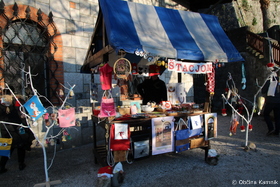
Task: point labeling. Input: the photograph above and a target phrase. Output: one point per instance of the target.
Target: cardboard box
(119, 156)
(198, 142)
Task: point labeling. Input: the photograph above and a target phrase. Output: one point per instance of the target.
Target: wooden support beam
(97, 58)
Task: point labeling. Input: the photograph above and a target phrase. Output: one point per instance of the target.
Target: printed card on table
(196, 122)
(121, 131)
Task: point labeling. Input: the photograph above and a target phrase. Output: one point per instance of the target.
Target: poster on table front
(162, 135)
(210, 121)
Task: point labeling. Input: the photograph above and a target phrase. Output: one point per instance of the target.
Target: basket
(124, 111)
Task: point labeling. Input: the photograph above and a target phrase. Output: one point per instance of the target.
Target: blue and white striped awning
(166, 32)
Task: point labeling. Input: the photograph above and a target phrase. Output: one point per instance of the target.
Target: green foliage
(241, 21)
(273, 21)
(223, 7)
(254, 22)
(245, 4)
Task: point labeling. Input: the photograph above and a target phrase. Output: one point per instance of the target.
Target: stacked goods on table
(151, 109)
(188, 108)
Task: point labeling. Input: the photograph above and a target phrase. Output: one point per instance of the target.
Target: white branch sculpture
(249, 118)
(28, 119)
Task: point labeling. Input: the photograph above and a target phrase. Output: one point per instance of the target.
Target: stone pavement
(75, 167)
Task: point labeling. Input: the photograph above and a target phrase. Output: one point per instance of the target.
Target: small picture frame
(210, 126)
(137, 104)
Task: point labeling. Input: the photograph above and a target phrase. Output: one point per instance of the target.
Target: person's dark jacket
(13, 115)
(152, 90)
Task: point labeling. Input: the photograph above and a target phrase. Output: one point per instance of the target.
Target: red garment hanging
(106, 76)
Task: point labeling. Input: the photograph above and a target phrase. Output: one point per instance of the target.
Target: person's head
(154, 72)
(154, 77)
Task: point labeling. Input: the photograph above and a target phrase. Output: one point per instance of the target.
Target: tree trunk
(267, 22)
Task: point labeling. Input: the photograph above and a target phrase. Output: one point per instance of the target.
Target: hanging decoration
(106, 76)
(161, 62)
(260, 104)
(107, 105)
(243, 81)
(66, 117)
(242, 127)
(234, 123)
(235, 97)
(35, 108)
(210, 86)
(250, 127)
(61, 93)
(224, 110)
(122, 68)
(144, 54)
(270, 66)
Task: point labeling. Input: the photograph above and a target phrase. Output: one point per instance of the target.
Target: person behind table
(272, 103)
(22, 138)
(152, 89)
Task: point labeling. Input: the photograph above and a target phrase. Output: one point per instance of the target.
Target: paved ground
(75, 167)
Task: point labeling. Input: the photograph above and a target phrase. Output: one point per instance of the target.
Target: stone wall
(241, 13)
(75, 21)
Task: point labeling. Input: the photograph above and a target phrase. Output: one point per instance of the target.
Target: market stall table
(140, 129)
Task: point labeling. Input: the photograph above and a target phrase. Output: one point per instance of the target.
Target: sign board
(189, 67)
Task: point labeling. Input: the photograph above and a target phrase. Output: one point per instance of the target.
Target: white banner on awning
(189, 67)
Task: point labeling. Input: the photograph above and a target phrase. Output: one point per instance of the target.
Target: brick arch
(55, 52)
